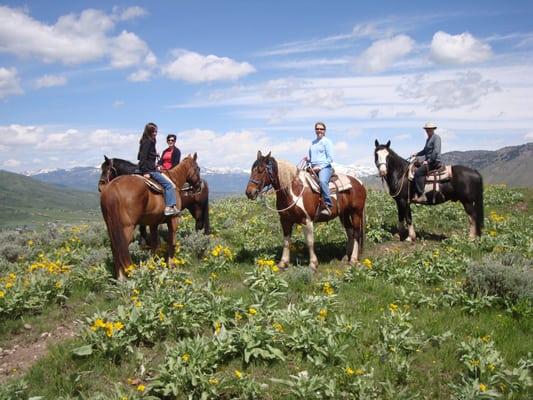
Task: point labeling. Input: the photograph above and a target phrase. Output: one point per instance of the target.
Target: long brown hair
(148, 133)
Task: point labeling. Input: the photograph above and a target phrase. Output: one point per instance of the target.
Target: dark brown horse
(297, 203)
(196, 201)
(465, 185)
(127, 202)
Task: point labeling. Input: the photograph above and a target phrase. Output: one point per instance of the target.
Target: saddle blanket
(442, 174)
(337, 183)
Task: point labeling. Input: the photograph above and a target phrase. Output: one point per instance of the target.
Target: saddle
(338, 182)
(156, 187)
(439, 175)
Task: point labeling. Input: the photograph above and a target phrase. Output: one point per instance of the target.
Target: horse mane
(396, 161)
(286, 173)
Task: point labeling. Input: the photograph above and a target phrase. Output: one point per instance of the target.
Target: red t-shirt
(167, 159)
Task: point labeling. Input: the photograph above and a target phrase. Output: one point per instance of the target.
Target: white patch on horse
(382, 161)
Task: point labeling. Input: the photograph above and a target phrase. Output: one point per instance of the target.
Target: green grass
(363, 296)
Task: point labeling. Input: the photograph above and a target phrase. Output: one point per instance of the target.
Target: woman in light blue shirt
(321, 157)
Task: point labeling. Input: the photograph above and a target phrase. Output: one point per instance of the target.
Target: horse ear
(195, 156)
(106, 159)
(388, 144)
(376, 143)
(268, 155)
(259, 154)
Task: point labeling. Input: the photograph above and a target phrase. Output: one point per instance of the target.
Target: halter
(107, 178)
(270, 171)
(404, 174)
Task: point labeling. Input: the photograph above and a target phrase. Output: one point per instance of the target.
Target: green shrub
(509, 277)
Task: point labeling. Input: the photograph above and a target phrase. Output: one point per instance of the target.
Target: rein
(401, 182)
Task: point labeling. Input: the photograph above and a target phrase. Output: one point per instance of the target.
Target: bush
(509, 277)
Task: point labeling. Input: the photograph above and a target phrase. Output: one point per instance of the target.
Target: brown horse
(196, 201)
(296, 203)
(127, 202)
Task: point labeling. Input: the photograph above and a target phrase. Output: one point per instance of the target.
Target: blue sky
(81, 79)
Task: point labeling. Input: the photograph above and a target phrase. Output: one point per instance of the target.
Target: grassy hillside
(442, 318)
(24, 200)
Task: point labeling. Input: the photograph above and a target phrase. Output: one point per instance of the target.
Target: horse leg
(154, 238)
(472, 215)
(120, 240)
(411, 229)
(353, 232)
(310, 240)
(286, 255)
(172, 225)
(401, 205)
(143, 239)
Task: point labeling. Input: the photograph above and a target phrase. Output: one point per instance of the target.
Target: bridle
(108, 178)
(404, 174)
(269, 167)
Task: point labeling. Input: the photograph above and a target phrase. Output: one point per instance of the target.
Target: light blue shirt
(321, 152)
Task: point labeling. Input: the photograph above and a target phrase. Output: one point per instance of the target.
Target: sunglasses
(170, 140)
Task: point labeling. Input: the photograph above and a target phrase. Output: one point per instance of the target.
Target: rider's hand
(306, 158)
(147, 176)
(425, 162)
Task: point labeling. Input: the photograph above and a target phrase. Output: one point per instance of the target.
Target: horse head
(263, 175)
(108, 173)
(193, 171)
(381, 152)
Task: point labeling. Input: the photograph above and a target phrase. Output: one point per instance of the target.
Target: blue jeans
(324, 175)
(168, 185)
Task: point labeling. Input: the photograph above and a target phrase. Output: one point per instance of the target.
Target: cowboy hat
(430, 125)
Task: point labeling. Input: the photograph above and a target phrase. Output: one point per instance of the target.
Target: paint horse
(196, 201)
(465, 185)
(297, 203)
(127, 201)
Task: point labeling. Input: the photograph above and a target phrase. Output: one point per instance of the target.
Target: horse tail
(479, 207)
(362, 230)
(205, 217)
(110, 206)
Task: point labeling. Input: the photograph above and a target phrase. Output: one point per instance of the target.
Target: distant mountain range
(222, 181)
(510, 165)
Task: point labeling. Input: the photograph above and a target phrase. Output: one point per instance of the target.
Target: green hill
(25, 201)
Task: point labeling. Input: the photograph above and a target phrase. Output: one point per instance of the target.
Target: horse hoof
(283, 266)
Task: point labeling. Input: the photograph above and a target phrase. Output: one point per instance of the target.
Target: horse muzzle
(382, 169)
(252, 193)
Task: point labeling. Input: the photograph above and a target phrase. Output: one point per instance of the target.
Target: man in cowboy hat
(432, 160)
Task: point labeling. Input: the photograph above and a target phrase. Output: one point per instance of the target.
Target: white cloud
(383, 53)
(11, 163)
(118, 103)
(142, 75)
(324, 98)
(46, 81)
(128, 50)
(128, 13)
(73, 39)
(9, 83)
(467, 89)
(529, 136)
(458, 49)
(193, 67)
(15, 135)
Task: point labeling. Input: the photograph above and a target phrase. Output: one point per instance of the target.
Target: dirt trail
(18, 355)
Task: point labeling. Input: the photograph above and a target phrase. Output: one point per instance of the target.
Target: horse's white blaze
(382, 161)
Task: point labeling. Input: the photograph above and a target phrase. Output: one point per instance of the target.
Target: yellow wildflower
(141, 388)
(161, 315)
(238, 374)
(188, 281)
(367, 263)
(482, 387)
(2, 293)
(178, 306)
(278, 327)
(393, 307)
(238, 316)
(218, 327)
(328, 289)
(118, 325)
(58, 284)
(322, 314)
(213, 381)
(185, 357)
(349, 371)
(485, 338)
(252, 311)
